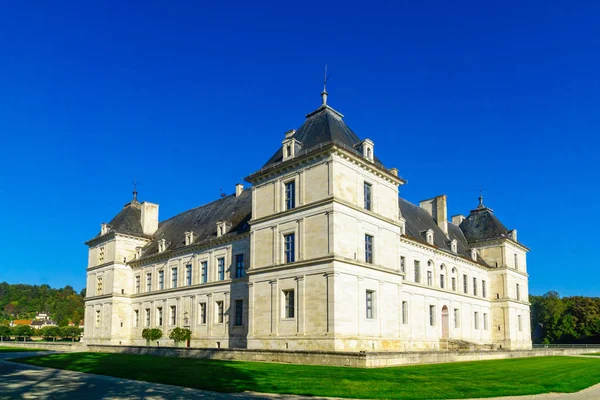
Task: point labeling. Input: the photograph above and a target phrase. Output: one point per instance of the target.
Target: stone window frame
(221, 268)
(476, 320)
(456, 315)
(147, 318)
(99, 285)
(219, 312)
(238, 312)
(432, 316)
(172, 315)
(485, 322)
(202, 313)
(136, 318)
(288, 311)
(204, 274)
(474, 286)
(465, 284)
(417, 271)
(368, 202)
(369, 248)
(189, 274)
(174, 276)
(370, 304)
(404, 312)
(161, 279)
(159, 316)
(290, 203)
(138, 284)
(240, 270)
(284, 250)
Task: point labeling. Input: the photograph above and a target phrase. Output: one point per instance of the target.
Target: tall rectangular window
(456, 318)
(405, 312)
(483, 289)
(519, 323)
(290, 195)
(97, 318)
(174, 277)
(173, 315)
(289, 242)
(474, 286)
(188, 274)
(239, 312)
(289, 304)
(369, 304)
(136, 318)
(516, 261)
(137, 285)
(204, 271)
(429, 278)
(161, 279)
(221, 268)
(476, 316)
(369, 249)
(454, 284)
(442, 281)
(465, 283)
(149, 282)
(219, 312)
(431, 315)
(147, 317)
(239, 265)
(518, 292)
(417, 271)
(485, 321)
(368, 188)
(403, 266)
(203, 313)
(159, 316)
(99, 285)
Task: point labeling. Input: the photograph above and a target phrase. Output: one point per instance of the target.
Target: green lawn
(16, 349)
(440, 381)
(592, 354)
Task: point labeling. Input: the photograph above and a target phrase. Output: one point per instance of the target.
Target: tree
(180, 335)
(70, 332)
(151, 335)
(23, 331)
(50, 332)
(4, 332)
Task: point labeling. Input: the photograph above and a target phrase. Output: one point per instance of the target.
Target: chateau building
(320, 253)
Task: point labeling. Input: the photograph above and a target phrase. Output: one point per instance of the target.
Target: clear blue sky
(190, 98)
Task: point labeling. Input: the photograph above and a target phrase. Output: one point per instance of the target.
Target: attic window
(162, 245)
(454, 246)
(138, 252)
(429, 236)
(189, 238)
(474, 254)
(402, 228)
(222, 228)
(367, 149)
(104, 229)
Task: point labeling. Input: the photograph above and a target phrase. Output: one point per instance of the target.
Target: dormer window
(474, 254)
(513, 234)
(189, 238)
(367, 149)
(162, 245)
(104, 229)
(222, 228)
(402, 226)
(429, 236)
(454, 246)
(138, 252)
(289, 145)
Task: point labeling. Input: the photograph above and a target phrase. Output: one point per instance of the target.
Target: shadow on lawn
(19, 380)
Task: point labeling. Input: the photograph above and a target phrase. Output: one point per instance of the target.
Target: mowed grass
(440, 381)
(592, 354)
(16, 349)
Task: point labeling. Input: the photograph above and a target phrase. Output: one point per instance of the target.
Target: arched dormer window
(454, 246)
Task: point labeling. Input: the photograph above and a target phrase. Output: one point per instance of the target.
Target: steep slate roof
(203, 222)
(128, 220)
(482, 224)
(323, 126)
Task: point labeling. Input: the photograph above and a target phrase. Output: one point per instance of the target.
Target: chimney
(513, 234)
(394, 171)
(458, 219)
(436, 207)
(149, 218)
(239, 188)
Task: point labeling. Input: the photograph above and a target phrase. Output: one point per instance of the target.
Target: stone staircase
(463, 345)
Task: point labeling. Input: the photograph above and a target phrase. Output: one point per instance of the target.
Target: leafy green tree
(70, 332)
(151, 335)
(5, 332)
(180, 335)
(23, 331)
(51, 332)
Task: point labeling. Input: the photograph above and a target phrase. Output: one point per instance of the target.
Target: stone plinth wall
(342, 359)
(57, 346)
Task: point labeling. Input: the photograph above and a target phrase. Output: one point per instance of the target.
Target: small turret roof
(482, 224)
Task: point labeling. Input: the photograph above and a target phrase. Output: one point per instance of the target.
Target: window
(369, 249)
(204, 268)
(221, 265)
(454, 284)
(149, 282)
(431, 315)
(456, 318)
(239, 312)
(101, 255)
(519, 323)
(476, 315)
(137, 285)
(289, 240)
(288, 298)
(161, 279)
(188, 274)
(442, 281)
(405, 312)
(483, 289)
(369, 304)
(290, 195)
(174, 277)
(173, 315)
(485, 321)
(219, 312)
(417, 271)
(516, 261)
(368, 188)
(203, 313)
(474, 286)
(465, 282)
(147, 317)
(429, 278)
(99, 286)
(518, 292)
(403, 265)
(136, 318)
(97, 318)
(239, 265)
(159, 316)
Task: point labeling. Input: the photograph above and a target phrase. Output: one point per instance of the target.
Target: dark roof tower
(482, 224)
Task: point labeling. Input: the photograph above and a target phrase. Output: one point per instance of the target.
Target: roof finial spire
(135, 193)
(324, 93)
(480, 206)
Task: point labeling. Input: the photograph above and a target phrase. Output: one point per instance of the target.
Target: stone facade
(328, 258)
